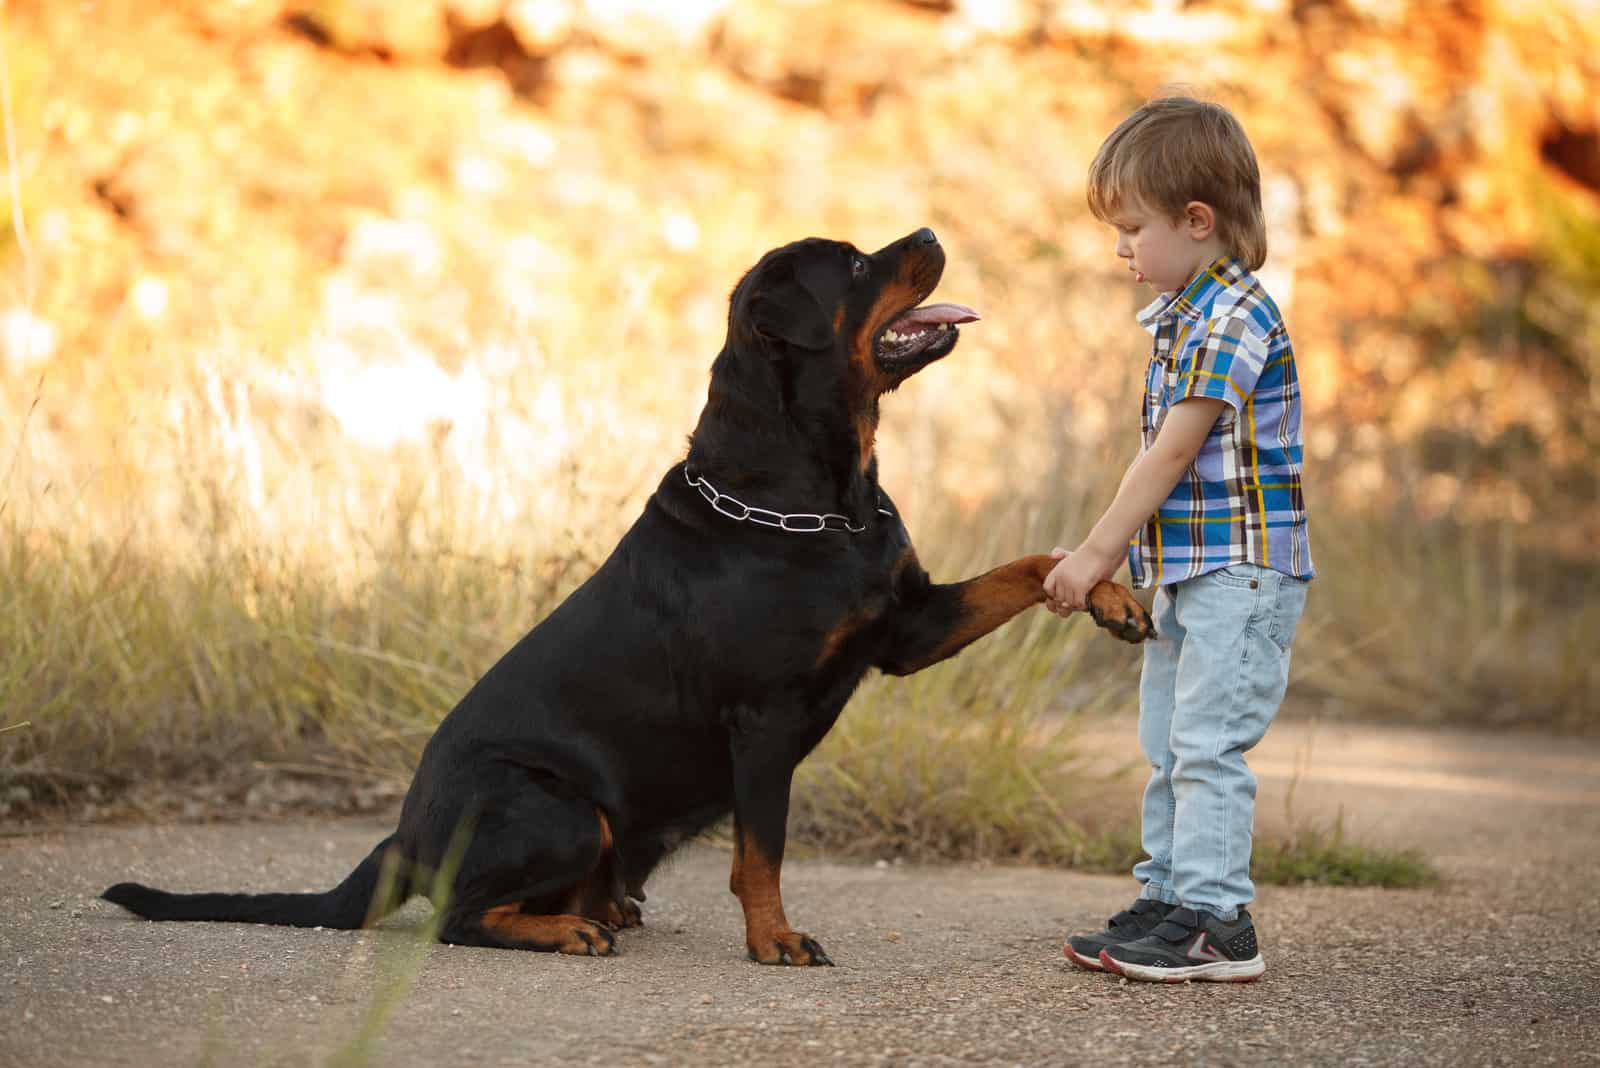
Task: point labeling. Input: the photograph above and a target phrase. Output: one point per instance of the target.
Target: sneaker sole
(1088, 964)
(1224, 971)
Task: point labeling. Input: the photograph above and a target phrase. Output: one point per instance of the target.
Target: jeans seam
(1172, 814)
(1216, 756)
(1165, 766)
(1229, 717)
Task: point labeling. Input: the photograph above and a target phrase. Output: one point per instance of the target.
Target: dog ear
(790, 313)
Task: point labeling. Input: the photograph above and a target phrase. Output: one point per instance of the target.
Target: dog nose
(924, 236)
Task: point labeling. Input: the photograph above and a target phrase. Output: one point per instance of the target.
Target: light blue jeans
(1212, 681)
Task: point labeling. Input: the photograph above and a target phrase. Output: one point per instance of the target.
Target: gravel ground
(954, 964)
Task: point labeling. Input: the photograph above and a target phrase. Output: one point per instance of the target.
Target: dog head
(818, 330)
(815, 299)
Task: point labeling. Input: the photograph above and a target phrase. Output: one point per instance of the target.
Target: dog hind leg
(527, 862)
(509, 927)
(602, 896)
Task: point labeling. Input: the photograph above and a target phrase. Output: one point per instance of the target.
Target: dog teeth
(890, 335)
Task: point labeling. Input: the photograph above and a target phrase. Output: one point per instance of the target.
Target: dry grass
(1430, 621)
(213, 636)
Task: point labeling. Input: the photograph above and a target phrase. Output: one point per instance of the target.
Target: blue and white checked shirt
(1241, 500)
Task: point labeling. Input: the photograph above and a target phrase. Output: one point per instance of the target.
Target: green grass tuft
(1324, 856)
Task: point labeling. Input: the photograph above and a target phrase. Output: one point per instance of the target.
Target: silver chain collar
(792, 522)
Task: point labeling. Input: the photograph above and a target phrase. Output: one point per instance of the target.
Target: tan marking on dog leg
(767, 932)
(576, 935)
(1113, 607)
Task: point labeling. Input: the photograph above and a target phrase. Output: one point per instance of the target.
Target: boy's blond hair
(1176, 149)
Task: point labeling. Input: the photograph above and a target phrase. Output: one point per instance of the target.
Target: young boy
(1211, 513)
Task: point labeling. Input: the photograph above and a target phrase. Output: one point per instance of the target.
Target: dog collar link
(790, 522)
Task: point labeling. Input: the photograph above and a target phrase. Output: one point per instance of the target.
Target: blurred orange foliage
(318, 248)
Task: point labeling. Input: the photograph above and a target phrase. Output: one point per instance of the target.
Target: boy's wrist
(1099, 552)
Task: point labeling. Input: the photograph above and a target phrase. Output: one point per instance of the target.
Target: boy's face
(1164, 252)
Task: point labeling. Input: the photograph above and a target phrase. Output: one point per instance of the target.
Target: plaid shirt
(1240, 501)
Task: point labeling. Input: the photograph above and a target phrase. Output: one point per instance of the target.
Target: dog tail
(356, 902)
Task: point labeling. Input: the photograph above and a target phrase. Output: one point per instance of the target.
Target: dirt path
(941, 965)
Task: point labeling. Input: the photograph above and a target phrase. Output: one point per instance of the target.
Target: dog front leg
(937, 621)
(761, 780)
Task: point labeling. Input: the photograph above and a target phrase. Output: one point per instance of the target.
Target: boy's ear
(1199, 220)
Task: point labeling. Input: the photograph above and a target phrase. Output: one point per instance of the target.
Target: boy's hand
(1058, 553)
(1066, 588)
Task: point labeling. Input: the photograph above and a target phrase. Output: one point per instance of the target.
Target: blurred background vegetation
(340, 338)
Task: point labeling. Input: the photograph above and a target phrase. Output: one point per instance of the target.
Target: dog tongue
(938, 313)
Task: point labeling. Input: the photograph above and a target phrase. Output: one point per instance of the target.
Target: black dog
(706, 657)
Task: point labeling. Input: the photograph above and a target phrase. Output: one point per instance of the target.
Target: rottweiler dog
(709, 654)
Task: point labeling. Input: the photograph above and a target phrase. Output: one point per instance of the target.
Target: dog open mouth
(923, 333)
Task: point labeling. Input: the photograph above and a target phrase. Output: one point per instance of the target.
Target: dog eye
(858, 267)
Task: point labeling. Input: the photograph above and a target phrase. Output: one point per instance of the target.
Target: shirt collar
(1196, 298)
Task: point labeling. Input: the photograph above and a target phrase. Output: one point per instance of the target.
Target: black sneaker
(1190, 944)
(1135, 921)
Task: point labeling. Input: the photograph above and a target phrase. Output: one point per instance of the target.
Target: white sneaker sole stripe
(1223, 971)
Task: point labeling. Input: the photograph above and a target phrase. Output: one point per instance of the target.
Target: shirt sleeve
(1225, 364)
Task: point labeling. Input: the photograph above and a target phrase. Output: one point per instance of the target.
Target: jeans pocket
(1238, 576)
(1291, 602)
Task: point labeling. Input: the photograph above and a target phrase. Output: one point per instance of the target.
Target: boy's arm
(1146, 485)
(1060, 552)
(1131, 465)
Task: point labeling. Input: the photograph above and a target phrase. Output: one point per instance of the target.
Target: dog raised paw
(1114, 608)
